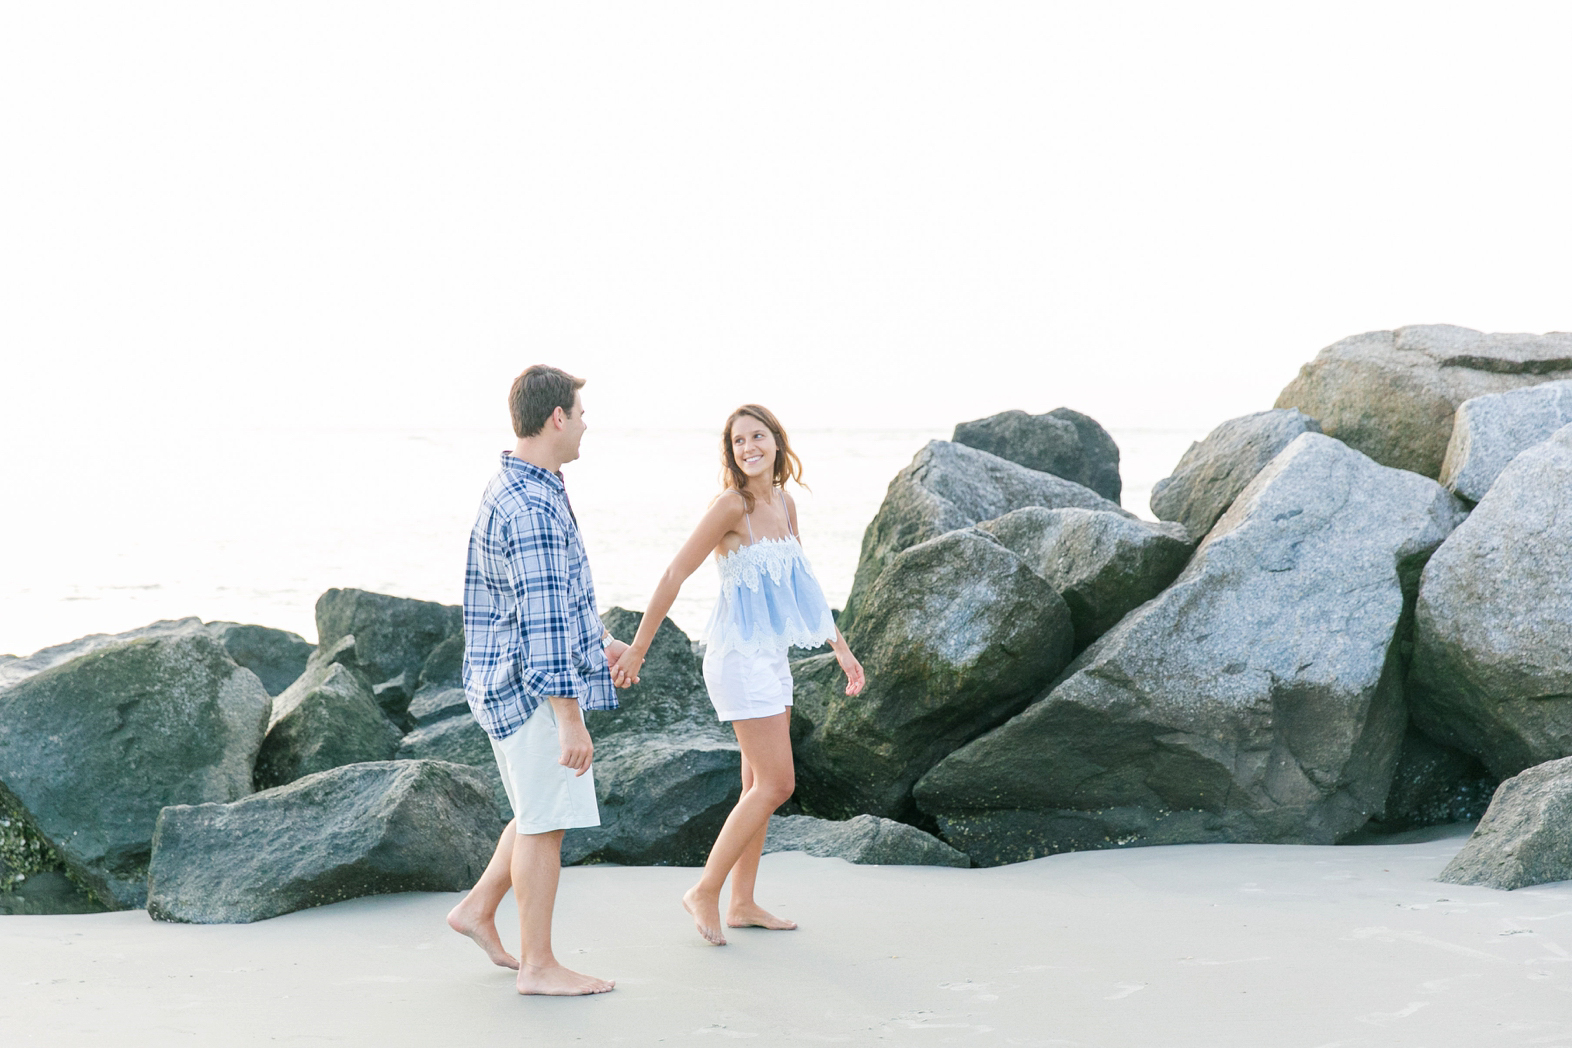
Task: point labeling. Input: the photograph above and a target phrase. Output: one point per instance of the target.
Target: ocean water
(252, 525)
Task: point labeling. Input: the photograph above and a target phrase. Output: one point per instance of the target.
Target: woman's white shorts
(744, 686)
(545, 796)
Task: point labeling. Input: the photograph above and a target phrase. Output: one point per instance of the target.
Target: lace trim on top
(749, 565)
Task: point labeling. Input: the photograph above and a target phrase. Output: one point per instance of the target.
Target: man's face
(573, 429)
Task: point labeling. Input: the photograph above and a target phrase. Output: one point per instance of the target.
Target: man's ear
(559, 417)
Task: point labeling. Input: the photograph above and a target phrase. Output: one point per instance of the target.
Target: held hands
(626, 661)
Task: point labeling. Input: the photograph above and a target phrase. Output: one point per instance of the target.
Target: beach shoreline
(1183, 945)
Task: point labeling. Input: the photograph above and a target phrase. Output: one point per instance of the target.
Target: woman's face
(753, 446)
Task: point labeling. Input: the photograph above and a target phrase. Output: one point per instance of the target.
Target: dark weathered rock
(1391, 394)
(92, 749)
(14, 669)
(1490, 431)
(33, 878)
(1434, 785)
(1492, 667)
(950, 486)
(459, 740)
(663, 796)
(362, 829)
(866, 840)
(1257, 699)
(393, 698)
(956, 636)
(433, 704)
(1526, 835)
(48, 892)
(666, 771)
(325, 719)
(1103, 564)
(277, 657)
(1213, 472)
(393, 635)
(444, 667)
(1065, 443)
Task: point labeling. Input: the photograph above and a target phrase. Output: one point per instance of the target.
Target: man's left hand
(614, 652)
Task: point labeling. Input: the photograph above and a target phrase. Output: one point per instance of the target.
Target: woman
(769, 602)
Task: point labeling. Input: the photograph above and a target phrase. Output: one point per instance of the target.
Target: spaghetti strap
(748, 516)
(787, 507)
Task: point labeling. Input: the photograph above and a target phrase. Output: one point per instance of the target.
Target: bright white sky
(882, 214)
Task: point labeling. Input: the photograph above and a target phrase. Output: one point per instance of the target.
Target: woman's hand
(853, 669)
(625, 663)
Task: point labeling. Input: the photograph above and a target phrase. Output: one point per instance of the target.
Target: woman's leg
(741, 909)
(766, 747)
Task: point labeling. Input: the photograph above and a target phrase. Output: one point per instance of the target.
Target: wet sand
(1198, 945)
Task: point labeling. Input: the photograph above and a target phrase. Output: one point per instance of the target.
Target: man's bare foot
(755, 916)
(705, 910)
(557, 981)
(483, 930)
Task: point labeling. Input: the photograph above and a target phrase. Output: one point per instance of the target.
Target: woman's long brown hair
(787, 465)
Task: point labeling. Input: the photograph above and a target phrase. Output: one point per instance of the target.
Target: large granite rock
(1103, 564)
(459, 740)
(325, 719)
(277, 657)
(1492, 667)
(393, 635)
(666, 771)
(33, 880)
(363, 829)
(431, 705)
(1212, 473)
(1257, 699)
(950, 486)
(14, 668)
(1391, 394)
(865, 840)
(956, 636)
(1434, 785)
(1490, 431)
(92, 749)
(1065, 443)
(1526, 835)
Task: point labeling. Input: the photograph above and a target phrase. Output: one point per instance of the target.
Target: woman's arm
(723, 516)
(855, 679)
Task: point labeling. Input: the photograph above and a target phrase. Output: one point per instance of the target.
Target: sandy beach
(1193, 945)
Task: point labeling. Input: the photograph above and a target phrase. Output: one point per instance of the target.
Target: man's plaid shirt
(530, 627)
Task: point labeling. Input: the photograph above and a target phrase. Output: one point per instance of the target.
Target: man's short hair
(538, 392)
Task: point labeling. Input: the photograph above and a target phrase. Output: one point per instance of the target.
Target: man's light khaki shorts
(544, 795)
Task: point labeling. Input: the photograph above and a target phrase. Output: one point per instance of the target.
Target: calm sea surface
(251, 525)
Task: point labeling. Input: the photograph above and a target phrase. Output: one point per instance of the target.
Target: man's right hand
(577, 749)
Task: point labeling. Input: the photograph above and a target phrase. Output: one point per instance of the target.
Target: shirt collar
(509, 461)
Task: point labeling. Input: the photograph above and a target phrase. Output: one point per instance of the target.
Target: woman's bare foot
(557, 981)
(705, 910)
(483, 930)
(755, 916)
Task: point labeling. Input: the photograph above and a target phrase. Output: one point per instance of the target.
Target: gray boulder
(1434, 785)
(393, 635)
(434, 704)
(1103, 564)
(92, 749)
(444, 667)
(326, 718)
(1526, 835)
(666, 771)
(363, 829)
(949, 486)
(1492, 666)
(1391, 394)
(1213, 472)
(865, 840)
(1065, 443)
(14, 669)
(33, 880)
(460, 740)
(957, 635)
(1257, 699)
(277, 657)
(1490, 431)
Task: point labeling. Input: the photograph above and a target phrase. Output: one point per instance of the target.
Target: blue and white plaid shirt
(530, 627)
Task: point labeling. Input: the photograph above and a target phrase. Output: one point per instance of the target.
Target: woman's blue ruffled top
(769, 600)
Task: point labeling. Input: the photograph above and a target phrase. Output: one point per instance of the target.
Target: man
(535, 655)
